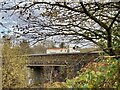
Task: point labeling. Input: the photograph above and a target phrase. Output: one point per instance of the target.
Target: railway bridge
(56, 67)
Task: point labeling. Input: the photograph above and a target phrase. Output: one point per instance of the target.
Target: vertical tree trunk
(109, 42)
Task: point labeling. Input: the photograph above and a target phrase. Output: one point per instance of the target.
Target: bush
(103, 74)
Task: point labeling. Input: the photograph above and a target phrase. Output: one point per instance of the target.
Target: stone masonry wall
(42, 65)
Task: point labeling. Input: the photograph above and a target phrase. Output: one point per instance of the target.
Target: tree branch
(93, 18)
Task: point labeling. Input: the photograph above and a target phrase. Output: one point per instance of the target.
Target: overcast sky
(10, 20)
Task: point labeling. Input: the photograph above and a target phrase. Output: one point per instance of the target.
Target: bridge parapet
(61, 59)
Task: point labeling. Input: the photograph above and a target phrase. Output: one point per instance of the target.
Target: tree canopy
(97, 22)
(14, 70)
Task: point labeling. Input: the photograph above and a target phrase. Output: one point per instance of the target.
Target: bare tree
(73, 21)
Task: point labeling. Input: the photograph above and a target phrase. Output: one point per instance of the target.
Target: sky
(9, 19)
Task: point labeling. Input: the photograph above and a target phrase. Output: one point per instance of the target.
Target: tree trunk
(109, 43)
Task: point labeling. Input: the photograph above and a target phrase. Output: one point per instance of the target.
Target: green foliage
(39, 48)
(24, 47)
(103, 74)
(14, 67)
